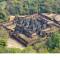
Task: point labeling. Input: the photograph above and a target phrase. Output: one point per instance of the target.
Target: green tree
(53, 41)
(2, 0)
(52, 6)
(33, 6)
(3, 11)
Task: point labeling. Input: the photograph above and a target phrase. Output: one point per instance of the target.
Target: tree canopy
(23, 7)
(54, 42)
(18, 7)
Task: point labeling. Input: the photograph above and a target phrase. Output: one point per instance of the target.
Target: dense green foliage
(2, 0)
(53, 42)
(3, 38)
(3, 11)
(23, 7)
(34, 6)
(18, 7)
(40, 47)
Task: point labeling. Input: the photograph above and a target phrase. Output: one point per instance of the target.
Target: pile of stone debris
(33, 25)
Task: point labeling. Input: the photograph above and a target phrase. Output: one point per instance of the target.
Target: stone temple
(29, 28)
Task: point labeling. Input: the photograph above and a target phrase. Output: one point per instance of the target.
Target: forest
(29, 7)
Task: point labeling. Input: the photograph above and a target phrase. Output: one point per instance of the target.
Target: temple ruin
(27, 29)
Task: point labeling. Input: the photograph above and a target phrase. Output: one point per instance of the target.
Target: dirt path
(11, 43)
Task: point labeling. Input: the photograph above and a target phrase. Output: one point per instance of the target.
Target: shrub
(28, 49)
(10, 50)
(40, 48)
(3, 38)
